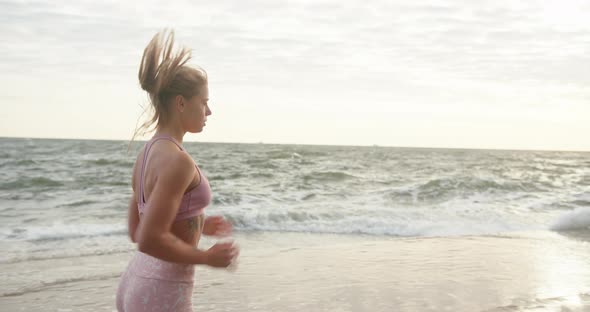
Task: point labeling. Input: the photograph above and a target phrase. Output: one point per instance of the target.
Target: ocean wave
(306, 188)
(28, 182)
(226, 199)
(281, 154)
(469, 183)
(18, 163)
(61, 231)
(328, 176)
(576, 219)
(309, 196)
(340, 223)
(581, 202)
(112, 179)
(442, 189)
(294, 154)
(260, 163)
(111, 162)
(261, 175)
(79, 203)
(230, 177)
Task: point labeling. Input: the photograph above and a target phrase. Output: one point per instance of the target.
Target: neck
(174, 132)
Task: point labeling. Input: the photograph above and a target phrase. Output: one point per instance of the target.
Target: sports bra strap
(145, 155)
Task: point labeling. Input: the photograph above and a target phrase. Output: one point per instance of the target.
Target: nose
(208, 112)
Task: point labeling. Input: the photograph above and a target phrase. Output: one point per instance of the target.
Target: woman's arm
(153, 233)
(132, 210)
(132, 218)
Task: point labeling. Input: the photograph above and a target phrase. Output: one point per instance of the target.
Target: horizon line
(310, 144)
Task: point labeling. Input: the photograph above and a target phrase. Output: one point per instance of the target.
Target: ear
(179, 103)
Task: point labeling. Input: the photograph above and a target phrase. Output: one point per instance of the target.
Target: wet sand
(533, 271)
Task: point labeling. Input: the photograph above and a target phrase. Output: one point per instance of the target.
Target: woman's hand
(221, 255)
(217, 226)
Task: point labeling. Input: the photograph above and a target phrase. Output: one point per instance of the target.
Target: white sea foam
(576, 219)
(60, 230)
(370, 225)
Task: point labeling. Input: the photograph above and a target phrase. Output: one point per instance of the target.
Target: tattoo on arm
(193, 225)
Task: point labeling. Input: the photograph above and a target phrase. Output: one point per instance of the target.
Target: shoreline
(335, 272)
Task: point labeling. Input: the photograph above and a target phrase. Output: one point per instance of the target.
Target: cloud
(428, 54)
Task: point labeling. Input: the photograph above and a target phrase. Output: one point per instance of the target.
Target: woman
(170, 192)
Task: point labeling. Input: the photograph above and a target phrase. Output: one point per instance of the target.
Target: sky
(450, 74)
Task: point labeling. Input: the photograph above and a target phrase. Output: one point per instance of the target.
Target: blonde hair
(164, 75)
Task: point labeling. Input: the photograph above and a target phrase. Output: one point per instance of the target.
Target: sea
(67, 199)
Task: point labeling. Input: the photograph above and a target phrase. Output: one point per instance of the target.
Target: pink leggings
(151, 284)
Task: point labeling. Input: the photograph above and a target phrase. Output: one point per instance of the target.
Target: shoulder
(172, 161)
(180, 160)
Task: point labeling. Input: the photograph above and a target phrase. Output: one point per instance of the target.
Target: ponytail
(163, 74)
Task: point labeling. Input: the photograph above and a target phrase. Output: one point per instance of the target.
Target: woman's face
(196, 111)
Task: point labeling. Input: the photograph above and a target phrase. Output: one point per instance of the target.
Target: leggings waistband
(144, 265)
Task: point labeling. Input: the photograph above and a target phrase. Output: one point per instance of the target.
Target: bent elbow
(144, 246)
(133, 236)
(144, 243)
(149, 243)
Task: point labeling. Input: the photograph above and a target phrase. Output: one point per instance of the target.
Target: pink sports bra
(193, 201)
